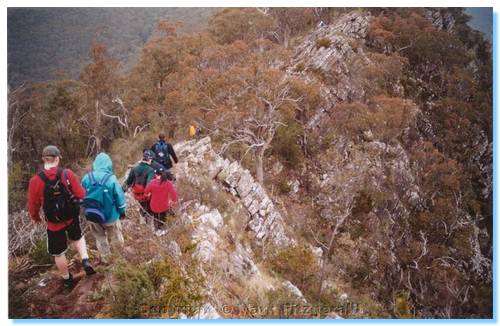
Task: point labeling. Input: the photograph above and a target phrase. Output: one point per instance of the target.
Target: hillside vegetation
(348, 159)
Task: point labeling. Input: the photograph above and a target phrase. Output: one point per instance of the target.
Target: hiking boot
(89, 270)
(69, 282)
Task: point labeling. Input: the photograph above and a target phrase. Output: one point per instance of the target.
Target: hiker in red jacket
(59, 191)
(161, 191)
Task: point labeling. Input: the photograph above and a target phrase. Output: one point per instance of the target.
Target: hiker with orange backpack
(137, 180)
(104, 206)
(162, 198)
(58, 192)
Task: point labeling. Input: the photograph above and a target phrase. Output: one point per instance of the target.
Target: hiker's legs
(62, 265)
(57, 245)
(159, 220)
(144, 211)
(114, 231)
(101, 240)
(81, 247)
(78, 240)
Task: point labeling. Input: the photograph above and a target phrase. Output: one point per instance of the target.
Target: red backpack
(139, 186)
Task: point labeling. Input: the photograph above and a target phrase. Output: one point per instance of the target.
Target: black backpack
(58, 202)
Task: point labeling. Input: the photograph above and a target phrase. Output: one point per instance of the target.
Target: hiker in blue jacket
(104, 206)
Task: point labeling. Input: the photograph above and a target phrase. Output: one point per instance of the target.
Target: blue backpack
(161, 151)
(96, 200)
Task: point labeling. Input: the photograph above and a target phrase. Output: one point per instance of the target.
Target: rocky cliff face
(264, 219)
(332, 50)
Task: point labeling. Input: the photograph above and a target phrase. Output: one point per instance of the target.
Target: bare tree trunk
(286, 37)
(259, 165)
(97, 128)
(328, 248)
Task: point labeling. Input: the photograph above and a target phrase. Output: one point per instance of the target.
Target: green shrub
(357, 230)
(17, 182)
(134, 293)
(298, 265)
(300, 67)
(283, 186)
(363, 202)
(285, 145)
(39, 254)
(328, 140)
(323, 43)
(402, 305)
(281, 303)
(177, 291)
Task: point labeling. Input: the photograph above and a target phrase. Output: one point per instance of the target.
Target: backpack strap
(104, 179)
(44, 177)
(59, 172)
(68, 183)
(92, 178)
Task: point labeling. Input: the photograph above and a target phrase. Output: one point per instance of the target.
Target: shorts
(57, 241)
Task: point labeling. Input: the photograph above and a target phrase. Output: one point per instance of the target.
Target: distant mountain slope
(481, 20)
(42, 41)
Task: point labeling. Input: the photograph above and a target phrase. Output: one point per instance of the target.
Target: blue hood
(103, 163)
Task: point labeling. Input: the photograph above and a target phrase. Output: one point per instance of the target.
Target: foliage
(39, 254)
(245, 24)
(17, 183)
(283, 186)
(285, 144)
(323, 43)
(280, 303)
(385, 117)
(401, 306)
(178, 291)
(131, 280)
(289, 262)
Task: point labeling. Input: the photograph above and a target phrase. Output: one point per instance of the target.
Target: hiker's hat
(148, 154)
(160, 171)
(51, 150)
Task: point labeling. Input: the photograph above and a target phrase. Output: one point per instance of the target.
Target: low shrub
(285, 144)
(323, 43)
(39, 254)
(177, 291)
(298, 265)
(134, 293)
(300, 67)
(283, 186)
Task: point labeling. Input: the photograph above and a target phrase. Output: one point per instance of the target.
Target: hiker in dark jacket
(61, 211)
(164, 152)
(138, 178)
(155, 165)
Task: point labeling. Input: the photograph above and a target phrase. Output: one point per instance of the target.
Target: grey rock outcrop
(332, 51)
(265, 222)
(442, 21)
